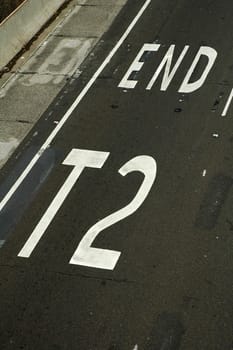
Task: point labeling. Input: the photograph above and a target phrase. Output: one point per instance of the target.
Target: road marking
(224, 113)
(169, 73)
(204, 172)
(66, 116)
(85, 254)
(187, 86)
(136, 66)
(79, 159)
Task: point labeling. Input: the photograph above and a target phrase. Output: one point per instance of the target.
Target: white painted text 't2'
(85, 254)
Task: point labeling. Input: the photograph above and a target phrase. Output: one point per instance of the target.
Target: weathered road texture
(162, 276)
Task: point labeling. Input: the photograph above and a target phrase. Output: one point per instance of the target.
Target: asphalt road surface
(117, 215)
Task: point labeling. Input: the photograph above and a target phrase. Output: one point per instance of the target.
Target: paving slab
(11, 133)
(40, 74)
(25, 99)
(58, 56)
(88, 21)
(100, 2)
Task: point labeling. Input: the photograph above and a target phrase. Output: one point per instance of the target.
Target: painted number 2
(85, 254)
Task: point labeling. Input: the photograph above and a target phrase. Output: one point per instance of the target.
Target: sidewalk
(54, 58)
(7, 7)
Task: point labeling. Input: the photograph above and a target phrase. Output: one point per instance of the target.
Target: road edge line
(74, 105)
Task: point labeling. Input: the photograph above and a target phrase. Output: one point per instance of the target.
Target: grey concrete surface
(88, 21)
(20, 27)
(31, 87)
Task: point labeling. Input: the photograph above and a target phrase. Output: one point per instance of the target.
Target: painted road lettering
(168, 73)
(136, 66)
(80, 159)
(166, 64)
(86, 255)
(106, 259)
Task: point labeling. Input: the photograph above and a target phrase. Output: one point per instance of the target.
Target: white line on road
(72, 108)
(79, 159)
(224, 113)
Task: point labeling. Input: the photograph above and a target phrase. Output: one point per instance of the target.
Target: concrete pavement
(53, 60)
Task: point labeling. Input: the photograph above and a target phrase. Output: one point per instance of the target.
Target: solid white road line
(224, 113)
(72, 108)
